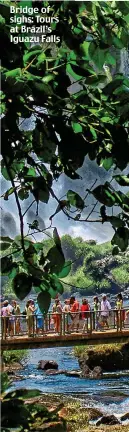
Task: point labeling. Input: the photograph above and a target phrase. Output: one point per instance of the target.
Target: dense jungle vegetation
(94, 268)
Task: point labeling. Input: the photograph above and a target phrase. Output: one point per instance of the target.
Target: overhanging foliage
(92, 121)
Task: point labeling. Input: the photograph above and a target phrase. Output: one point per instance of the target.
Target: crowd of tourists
(76, 316)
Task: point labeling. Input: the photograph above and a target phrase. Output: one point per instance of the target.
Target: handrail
(63, 323)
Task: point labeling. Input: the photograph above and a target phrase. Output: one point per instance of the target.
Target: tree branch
(17, 203)
(28, 208)
(58, 200)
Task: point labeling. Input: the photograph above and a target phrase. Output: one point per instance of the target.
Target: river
(111, 395)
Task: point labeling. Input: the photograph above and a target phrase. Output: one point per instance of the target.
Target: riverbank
(109, 357)
(76, 416)
(13, 362)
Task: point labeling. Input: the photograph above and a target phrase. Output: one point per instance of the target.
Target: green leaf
(104, 195)
(56, 237)
(56, 284)
(110, 59)
(56, 258)
(53, 293)
(77, 127)
(8, 192)
(4, 245)
(44, 301)
(30, 55)
(122, 200)
(115, 221)
(97, 55)
(23, 393)
(18, 242)
(75, 199)
(41, 59)
(6, 264)
(71, 72)
(84, 47)
(14, 168)
(6, 239)
(22, 284)
(4, 172)
(106, 119)
(29, 172)
(93, 131)
(127, 18)
(84, 71)
(47, 78)
(14, 73)
(38, 246)
(23, 194)
(14, 271)
(42, 87)
(95, 80)
(115, 251)
(65, 270)
(117, 42)
(121, 238)
(123, 180)
(40, 191)
(107, 163)
(24, 3)
(113, 85)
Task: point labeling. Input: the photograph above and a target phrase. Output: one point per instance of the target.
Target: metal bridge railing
(63, 324)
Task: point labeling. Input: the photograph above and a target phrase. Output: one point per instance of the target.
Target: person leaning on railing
(5, 319)
(29, 316)
(57, 315)
(97, 313)
(74, 313)
(120, 317)
(66, 311)
(17, 313)
(105, 311)
(39, 319)
(84, 315)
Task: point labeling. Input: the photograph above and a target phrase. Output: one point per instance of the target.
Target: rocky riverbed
(89, 403)
(79, 418)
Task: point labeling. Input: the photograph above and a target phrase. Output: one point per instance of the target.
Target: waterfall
(124, 66)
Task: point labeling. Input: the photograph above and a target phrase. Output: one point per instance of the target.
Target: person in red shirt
(74, 312)
(85, 308)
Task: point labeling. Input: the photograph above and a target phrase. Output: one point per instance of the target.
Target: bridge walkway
(18, 333)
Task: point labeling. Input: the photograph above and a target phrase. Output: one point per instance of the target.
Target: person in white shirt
(105, 311)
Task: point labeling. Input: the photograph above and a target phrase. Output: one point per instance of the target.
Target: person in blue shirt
(39, 319)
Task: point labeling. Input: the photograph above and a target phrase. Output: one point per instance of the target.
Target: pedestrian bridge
(19, 333)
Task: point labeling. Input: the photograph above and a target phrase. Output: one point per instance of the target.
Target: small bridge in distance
(18, 333)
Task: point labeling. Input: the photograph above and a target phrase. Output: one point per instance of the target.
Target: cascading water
(124, 65)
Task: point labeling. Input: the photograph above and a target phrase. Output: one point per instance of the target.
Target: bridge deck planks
(53, 340)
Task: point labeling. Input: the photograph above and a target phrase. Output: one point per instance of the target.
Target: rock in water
(73, 373)
(55, 372)
(47, 364)
(85, 371)
(109, 358)
(108, 420)
(88, 373)
(96, 373)
(93, 413)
